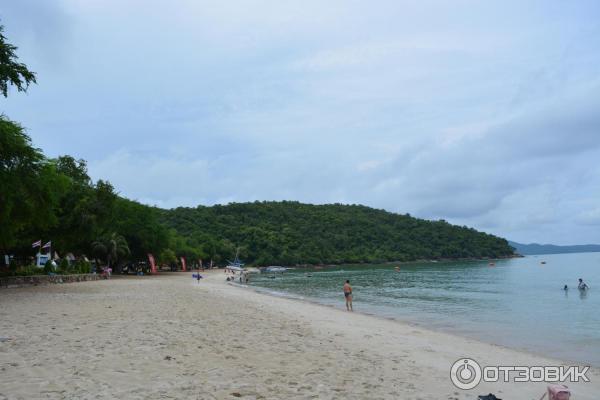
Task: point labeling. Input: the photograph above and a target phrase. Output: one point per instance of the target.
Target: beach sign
(152, 263)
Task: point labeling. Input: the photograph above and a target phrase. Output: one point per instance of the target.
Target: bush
(82, 267)
(64, 267)
(48, 267)
(13, 266)
(29, 270)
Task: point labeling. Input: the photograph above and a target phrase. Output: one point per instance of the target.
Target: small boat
(543, 262)
(275, 268)
(308, 275)
(236, 265)
(492, 264)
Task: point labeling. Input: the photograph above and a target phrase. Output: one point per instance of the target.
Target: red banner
(152, 263)
(183, 264)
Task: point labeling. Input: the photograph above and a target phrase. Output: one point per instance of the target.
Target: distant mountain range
(536, 248)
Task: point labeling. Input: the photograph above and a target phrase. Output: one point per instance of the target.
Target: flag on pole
(36, 244)
(47, 245)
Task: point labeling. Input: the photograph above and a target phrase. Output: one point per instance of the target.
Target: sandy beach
(169, 337)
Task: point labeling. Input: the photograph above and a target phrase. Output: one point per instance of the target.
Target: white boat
(236, 264)
(275, 268)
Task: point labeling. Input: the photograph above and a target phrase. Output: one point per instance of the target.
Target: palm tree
(112, 247)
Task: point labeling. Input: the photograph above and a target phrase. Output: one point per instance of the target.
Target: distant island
(536, 248)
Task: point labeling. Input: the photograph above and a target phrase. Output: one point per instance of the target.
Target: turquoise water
(518, 303)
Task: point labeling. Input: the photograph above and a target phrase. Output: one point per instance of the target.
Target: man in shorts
(348, 295)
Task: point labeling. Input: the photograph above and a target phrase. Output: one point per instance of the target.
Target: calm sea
(518, 303)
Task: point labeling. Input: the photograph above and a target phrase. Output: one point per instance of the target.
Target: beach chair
(557, 392)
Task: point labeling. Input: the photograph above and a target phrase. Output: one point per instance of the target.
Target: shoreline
(449, 342)
(407, 322)
(170, 336)
(424, 260)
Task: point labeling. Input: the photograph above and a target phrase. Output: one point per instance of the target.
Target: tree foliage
(294, 233)
(29, 183)
(12, 72)
(111, 248)
(56, 199)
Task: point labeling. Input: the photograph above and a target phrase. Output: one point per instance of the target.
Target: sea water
(518, 303)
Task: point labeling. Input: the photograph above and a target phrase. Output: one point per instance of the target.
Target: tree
(30, 185)
(76, 170)
(167, 257)
(140, 226)
(11, 71)
(111, 248)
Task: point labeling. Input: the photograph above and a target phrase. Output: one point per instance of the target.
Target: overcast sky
(484, 114)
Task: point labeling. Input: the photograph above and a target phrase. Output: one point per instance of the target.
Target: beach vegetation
(167, 256)
(111, 248)
(49, 267)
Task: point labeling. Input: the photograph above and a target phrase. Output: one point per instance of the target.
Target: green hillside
(290, 233)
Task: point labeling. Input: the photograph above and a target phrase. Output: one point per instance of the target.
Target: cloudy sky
(482, 113)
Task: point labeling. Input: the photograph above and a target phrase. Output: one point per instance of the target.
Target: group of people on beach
(243, 277)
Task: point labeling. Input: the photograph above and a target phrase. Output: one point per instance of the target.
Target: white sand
(169, 337)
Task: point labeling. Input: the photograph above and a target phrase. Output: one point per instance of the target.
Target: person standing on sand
(348, 295)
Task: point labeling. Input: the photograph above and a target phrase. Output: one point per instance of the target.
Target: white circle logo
(465, 374)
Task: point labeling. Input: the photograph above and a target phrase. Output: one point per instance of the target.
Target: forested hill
(291, 233)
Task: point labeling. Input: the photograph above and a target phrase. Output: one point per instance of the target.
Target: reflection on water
(517, 302)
